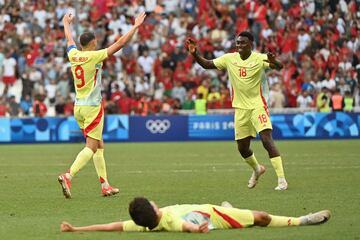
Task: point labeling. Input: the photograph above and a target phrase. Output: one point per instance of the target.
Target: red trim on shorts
(203, 213)
(264, 102)
(94, 123)
(230, 220)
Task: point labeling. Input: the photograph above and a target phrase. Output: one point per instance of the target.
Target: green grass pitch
(321, 175)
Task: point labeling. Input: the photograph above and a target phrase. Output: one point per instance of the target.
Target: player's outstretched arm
(194, 228)
(109, 227)
(67, 20)
(273, 62)
(191, 47)
(127, 37)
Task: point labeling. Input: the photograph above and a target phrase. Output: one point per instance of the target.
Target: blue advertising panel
(158, 128)
(178, 128)
(116, 128)
(211, 127)
(5, 132)
(32, 130)
(314, 125)
(287, 125)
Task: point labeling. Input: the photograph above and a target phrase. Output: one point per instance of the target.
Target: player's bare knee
(245, 153)
(261, 219)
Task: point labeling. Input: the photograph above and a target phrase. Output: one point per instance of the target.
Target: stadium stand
(318, 41)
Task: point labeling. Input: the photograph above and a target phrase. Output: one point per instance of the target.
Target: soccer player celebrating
(146, 216)
(89, 113)
(249, 87)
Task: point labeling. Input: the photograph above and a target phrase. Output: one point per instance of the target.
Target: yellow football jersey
(168, 223)
(173, 218)
(86, 67)
(247, 77)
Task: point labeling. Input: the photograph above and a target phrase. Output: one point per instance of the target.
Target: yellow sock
(278, 166)
(280, 221)
(82, 158)
(99, 162)
(252, 162)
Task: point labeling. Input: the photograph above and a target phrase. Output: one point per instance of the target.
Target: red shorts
(9, 80)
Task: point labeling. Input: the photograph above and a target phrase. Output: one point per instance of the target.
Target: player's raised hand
(190, 44)
(139, 19)
(66, 227)
(271, 57)
(68, 18)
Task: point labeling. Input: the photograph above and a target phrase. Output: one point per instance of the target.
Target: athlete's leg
(268, 143)
(81, 159)
(243, 146)
(99, 162)
(100, 166)
(244, 132)
(263, 219)
(84, 156)
(249, 157)
(275, 158)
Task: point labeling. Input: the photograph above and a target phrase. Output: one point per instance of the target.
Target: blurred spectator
(304, 100)
(146, 62)
(203, 89)
(349, 102)
(276, 96)
(337, 101)
(166, 107)
(188, 103)
(59, 105)
(51, 90)
(39, 107)
(116, 94)
(323, 100)
(26, 104)
(213, 98)
(69, 107)
(178, 92)
(200, 105)
(226, 101)
(125, 104)
(9, 73)
(13, 108)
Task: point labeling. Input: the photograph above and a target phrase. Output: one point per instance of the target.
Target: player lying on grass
(146, 216)
(86, 67)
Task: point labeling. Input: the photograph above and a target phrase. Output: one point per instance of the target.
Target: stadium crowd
(317, 40)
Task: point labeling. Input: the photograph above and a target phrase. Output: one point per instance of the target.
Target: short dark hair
(143, 213)
(86, 37)
(247, 34)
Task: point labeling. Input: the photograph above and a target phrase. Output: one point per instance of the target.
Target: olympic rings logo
(158, 126)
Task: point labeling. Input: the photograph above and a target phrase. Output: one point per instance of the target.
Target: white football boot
(315, 218)
(255, 176)
(282, 184)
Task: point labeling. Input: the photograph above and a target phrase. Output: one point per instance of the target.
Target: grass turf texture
(321, 175)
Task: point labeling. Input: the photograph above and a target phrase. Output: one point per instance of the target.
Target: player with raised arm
(196, 218)
(86, 67)
(246, 71)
